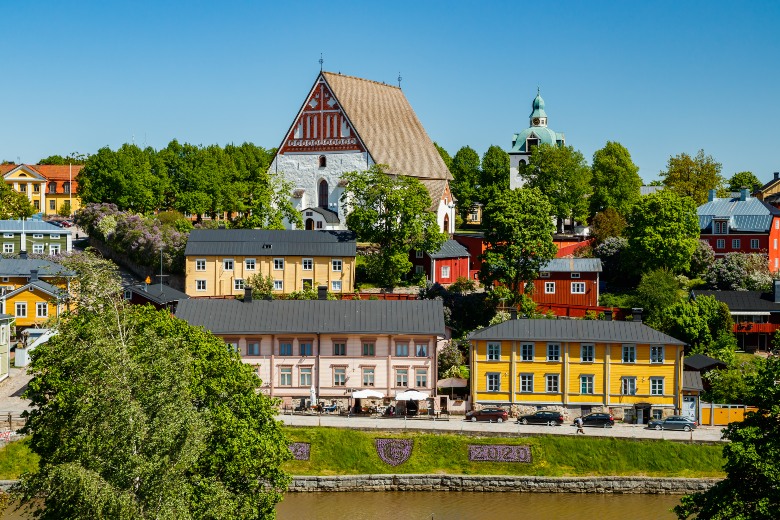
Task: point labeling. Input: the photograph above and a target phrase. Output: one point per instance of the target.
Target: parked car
(487, 414)
(547, 417)
(605, 420)
(673, 422)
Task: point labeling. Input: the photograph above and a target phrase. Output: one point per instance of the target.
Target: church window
(323, 191)
(531, 143)
(308, 127)
(323, 162)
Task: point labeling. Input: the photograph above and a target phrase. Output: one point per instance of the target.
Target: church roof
(537, 107)
(544, 134)
(388, 126)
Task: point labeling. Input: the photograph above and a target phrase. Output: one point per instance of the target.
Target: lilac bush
(740, 272)
(300, 450)
(394, 451)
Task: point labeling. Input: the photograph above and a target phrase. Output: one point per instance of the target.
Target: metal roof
(544, 134)
(742, 301)
(270, 242)
(647, 190)
(572, 265)
(692, 381)
(31, 226)
(701, 362)
(450, 249)
(314, 316)
(575, 330)
(39, 284)
(331, 217)
(158, 293)
(23, 266)
(751, 215)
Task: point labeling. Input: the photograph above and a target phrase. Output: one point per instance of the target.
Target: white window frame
(656, 354)
(554, 352)
(587, 384)
(8, 248)
(42, 306)
(587, 352)
(526, 384)
(54, 249)
(336, 265)
(656, 386)
(578, 287)
(228, 264)
(339, 376)
(421, 378)
(629, 353)
(278, 285)
(278, 264)
(418, 254)
(552, 383)
(200, 285)
(21, 309)
(527, 352)
(445, 271)
(8, 235)
(310, 262)
(575, 275)
(628, 385)
(250, 264)
(305, 375)
(54, 236)
(402, 378)
(720, 243)
(285, 376)
(493, 382)
(37, 235)
(736, 243)
(421, 350)
(200, 264)
(38, 249)
(238, 284)
(754, 243)
(493, 351)
(549, 287)
(368, 375)
(335, 285)
(544, 274)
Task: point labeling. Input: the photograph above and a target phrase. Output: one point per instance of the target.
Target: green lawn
(15, 459)
(343, 452)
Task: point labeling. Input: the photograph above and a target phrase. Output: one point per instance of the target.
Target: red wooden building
(568, 281)
(444, 266)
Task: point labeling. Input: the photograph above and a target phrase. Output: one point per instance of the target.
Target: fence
(579, 311)
(722, 414)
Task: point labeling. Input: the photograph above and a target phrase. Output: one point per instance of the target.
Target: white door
(689, 407)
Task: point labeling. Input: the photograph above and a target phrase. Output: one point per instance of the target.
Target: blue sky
(660, 77)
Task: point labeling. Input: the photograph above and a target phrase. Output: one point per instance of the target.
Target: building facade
(568, 281)
(32, 290)
(50, 188)
(218, 262)
(332, 347)
(35, 237)
(6, 322)
(350, 124)
(444, 266)
(578, 366)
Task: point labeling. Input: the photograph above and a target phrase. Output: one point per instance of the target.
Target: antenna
(399, 80)
(321, 60)
(161, 271)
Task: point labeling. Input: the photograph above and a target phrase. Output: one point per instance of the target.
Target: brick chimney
(33, 275)
(247, 294)
(636, 313)
(608, 315)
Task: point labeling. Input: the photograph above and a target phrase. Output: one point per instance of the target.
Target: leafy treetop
(693, 176)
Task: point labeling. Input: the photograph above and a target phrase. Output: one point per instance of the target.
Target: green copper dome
(543, 134)
(537, 107)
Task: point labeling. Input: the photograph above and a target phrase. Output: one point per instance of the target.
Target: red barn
(568, 281)
(475, 244)
(445, 265)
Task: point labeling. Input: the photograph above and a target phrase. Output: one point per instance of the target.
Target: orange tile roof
(52, 172)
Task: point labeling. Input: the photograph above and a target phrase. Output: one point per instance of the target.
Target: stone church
(349, 124)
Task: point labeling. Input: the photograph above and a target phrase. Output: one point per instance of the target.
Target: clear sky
(662, 78)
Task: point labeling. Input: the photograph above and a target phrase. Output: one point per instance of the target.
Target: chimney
(608, 315)
(744, 194)
(322, 292)
(777, 175)
(23, 255)
(33, 275)
(711, 195)
(247, 294)
(513, 314)
(636, 312)
(777, 291)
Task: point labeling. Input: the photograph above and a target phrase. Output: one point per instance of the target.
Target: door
(309, 224)
(689, 407)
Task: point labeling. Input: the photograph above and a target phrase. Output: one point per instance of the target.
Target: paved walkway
(458, 425)
(11, 390)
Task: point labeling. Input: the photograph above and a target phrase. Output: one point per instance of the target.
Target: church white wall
(443, 210)
(515, 181)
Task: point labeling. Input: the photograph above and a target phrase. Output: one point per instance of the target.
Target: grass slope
(349, 452)
(15, 459)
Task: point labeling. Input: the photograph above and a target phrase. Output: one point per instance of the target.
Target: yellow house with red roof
(48, 186)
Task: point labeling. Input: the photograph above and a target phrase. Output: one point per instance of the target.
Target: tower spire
(399, 80)
(321, 61)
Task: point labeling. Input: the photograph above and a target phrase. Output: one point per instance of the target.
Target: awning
(452, 382)
(367, 394)
(411, 395)
(751, 313)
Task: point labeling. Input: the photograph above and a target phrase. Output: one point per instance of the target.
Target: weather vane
(399, 80)
(321, 60)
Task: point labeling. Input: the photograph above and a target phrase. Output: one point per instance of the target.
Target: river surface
(465, 505)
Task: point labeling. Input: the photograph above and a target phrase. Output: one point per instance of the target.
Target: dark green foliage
(462, 312)
(742, 180)
(658, 290)
(466, 178)
(445, 156)
(607, 224)
(698, 322)
(702, 259)
(615, 181)
(494, 177)
(14, 204)
(692, 176)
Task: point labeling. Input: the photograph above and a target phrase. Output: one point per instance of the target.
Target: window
(250, 264)
(578, 287)
(37, 204)
(656, 386)
(23, 188)
(53, 205)
(52, 188)
(37, 235)
(38, 249)
(285, 349)
(421, 349)
(335, 265)
(721, 227)
(754, 243)
(339, 376)
(54, 237)
(493, 351)
(553, 352)
(36, 188)
(323, 163)
(368, 348)
(253, 349)
(656, 354)
(8, 248)
(335, 286)
(128, 294)
(735, 243)
(544, 274)
(278, 285)
(527, 352)
(200, 264)
(5, 278)
(418, 269)
(551, 382)
(304, 376)
(65, 187)
(402, 349)
(628, 386)
(586, 353)
(720, 243)
(549, 287)
(227, 264)
(774, 243)
(8, 235)
(418, 254)
(278, 264)
(41, 310)
(658, 414)
(445, 271)
(402, 377)
(285, 376)
(629, 353)
(421, 378)
(339, 348)
(575, 275)
(493, 382)
(238, 284)
(368, 377)
(200, 285)
(21, 309)
(308, 264)
(232, 346)
(307, 284)
(54, 249)
(586, 384)
(304, 348)
(526, 383)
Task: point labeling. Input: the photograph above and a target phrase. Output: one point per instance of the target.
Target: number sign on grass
(499, 453)
(394, 451)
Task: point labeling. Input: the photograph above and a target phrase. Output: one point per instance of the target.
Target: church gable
(321, 126)
(23, 173)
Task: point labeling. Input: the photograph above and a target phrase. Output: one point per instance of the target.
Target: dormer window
(720, 227)
(323, 161)
(531, 143)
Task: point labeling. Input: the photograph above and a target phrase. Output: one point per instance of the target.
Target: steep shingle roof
(388, 126)
(314, 316)
(572, 265)
(270, 242)
(575, 330)
(450, 249)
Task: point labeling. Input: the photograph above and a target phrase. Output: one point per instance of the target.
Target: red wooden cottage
(568, 281)
(444, 266)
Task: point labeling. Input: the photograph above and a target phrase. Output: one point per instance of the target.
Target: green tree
(615, 180)
(663, 231)
(135, 414)
(466, 177)
(518, 236)
(269, 204)
(698, 322)
(656, 291)
(744, 180)
(393, 212)
(14, 204)
(74, 158)
(262, 286)
(607, 223)
(494, 177)
(445, 156)
(65, 209)
(693, 176)
(750, 490)
(563, 176)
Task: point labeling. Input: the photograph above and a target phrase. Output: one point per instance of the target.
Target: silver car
(673, 422)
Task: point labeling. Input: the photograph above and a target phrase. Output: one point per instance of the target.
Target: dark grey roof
(743, 301)
(31, 226)
(331, 217)
(270, 242)
(450, 249)
(157, 293)
(22, 267)
(40, 284)
(572, 265)
(575, 330)
(312, 316)
(692, 381)
(702, 362)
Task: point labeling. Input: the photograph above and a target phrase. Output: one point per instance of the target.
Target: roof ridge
(361, 79)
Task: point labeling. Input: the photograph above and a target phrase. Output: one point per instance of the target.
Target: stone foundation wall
(498, 483)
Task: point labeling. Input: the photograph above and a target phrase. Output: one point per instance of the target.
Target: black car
(547, 417)
(603, 420)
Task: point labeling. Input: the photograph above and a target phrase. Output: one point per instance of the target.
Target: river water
(455, 505)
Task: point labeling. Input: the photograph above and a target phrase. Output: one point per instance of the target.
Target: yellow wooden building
(218, 262)
(49, 187)
(578, 366)
(32, 290)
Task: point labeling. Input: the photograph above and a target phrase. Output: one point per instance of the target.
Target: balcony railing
(748, 327)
